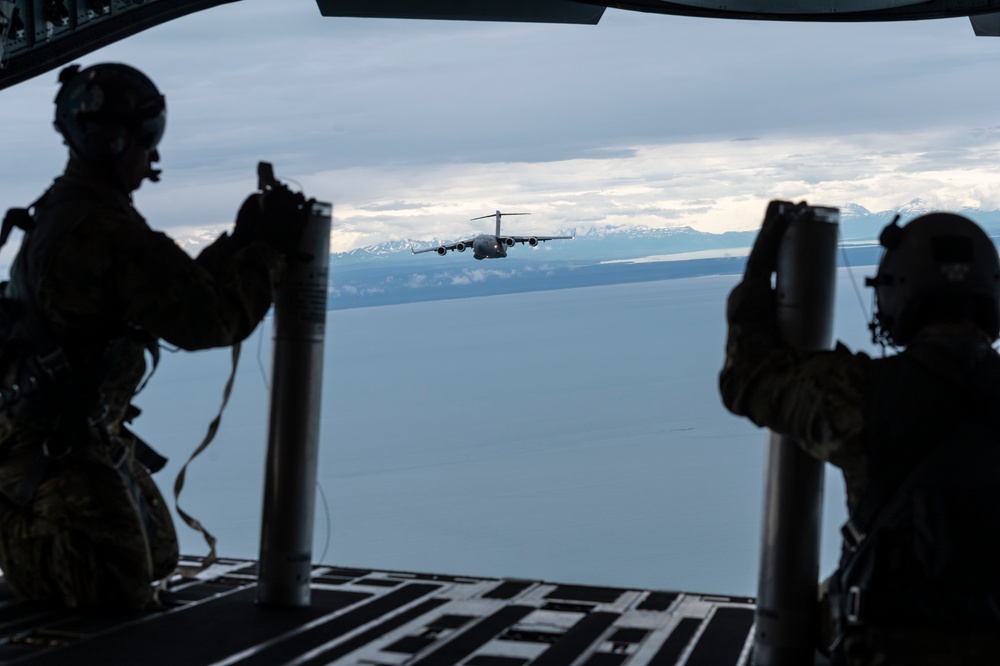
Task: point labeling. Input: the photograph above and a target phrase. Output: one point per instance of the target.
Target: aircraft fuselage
(488, 246)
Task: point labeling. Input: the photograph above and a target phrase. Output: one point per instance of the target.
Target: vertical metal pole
(787, 621)
(293, 427)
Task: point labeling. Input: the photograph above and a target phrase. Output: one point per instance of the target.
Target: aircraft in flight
(490, 246)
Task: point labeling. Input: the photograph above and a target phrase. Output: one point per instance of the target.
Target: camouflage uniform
(872, 418)
(96, 531)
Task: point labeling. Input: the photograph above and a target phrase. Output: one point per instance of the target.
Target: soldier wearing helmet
(112, 117)
(915, 433)
(93, 290)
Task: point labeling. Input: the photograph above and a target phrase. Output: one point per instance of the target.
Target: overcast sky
(412, 127)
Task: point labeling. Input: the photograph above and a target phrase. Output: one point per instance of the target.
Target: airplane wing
(443, 249)
(531, 240)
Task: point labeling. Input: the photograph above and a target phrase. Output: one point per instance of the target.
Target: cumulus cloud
(710, 186)
(470, 275)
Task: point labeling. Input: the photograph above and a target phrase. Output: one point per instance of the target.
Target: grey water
(574, 435)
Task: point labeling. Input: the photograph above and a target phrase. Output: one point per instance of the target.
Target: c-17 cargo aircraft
(491, 246)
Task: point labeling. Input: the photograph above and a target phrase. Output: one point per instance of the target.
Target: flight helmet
(102, 109)
(938, 267)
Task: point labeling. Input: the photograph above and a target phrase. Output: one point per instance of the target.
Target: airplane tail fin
(498, 215)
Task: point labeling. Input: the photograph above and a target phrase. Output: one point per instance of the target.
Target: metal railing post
(787, 622)
(300, 309)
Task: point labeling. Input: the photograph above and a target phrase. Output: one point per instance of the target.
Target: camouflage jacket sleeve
(815, 397)
(116, 267)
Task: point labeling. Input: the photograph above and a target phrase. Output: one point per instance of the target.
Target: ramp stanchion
(786, 617)
(300, 310)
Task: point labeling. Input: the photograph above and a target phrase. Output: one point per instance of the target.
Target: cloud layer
(710, 186)
(411, 128)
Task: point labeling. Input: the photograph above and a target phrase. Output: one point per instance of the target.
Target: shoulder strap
(879, 501)
(15, 217)
(22, 218)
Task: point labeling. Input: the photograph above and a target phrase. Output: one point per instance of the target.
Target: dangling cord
(260, 359)
(854, 282)
(322, 494)
(326, 510)
(193, 523)
(877, 338)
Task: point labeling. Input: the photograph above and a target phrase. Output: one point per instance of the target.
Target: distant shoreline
(397, 282)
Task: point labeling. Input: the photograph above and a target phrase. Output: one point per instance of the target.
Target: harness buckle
(853, 614)
(118, 453)
(54, 365)
(48, 453)
(98, 417)
(853, 535)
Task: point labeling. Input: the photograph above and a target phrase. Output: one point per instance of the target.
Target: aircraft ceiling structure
(985, 14)
(814, 10)
(39, 35)
(522, 11)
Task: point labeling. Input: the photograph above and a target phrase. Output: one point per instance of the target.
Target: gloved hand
(763, 259)
(249, 221)
(284, 215)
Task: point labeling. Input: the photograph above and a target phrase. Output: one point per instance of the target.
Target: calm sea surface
(574, 435)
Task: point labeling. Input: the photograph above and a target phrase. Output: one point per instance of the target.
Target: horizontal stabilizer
(986, 25)
(529, 11)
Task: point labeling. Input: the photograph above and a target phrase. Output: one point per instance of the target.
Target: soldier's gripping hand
(284, 216)
(763, 259)
(249, 221)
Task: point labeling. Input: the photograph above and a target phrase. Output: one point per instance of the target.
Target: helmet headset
(105, 108)
(939, 267)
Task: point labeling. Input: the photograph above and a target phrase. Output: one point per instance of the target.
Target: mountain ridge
(389, 273)
(857, 224)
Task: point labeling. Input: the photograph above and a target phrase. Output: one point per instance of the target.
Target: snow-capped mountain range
(857, 224)
(388, 273)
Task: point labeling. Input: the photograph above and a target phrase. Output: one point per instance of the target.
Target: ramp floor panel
(390, 618)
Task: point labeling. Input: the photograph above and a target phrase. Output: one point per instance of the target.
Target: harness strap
(34, 477)
(193, 523)
(47, 365)
(883, 501)
(22, 218)
(861, 522)
(16, 217)
(150, 458)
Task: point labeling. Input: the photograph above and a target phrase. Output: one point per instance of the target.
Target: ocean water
(573, 435)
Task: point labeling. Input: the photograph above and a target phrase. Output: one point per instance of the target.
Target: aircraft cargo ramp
(390, 618)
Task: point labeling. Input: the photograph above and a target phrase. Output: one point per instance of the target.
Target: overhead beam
(986, 25)
(831, 11)
(39, 35)
(530, 11)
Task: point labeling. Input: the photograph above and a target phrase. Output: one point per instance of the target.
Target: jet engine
(442, 250)
(509, 242)
(460, 247)
(532, 241)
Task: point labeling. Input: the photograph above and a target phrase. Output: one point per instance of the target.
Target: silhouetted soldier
(91, 290)
(916, 434)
